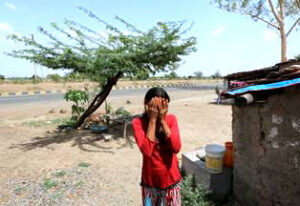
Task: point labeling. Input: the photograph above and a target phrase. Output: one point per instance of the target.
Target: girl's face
(156, 100)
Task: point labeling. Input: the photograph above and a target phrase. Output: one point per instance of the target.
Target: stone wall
(267, 151)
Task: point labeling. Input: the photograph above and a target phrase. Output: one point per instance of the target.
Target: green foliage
(19, 189)
(36, 79)
(142, 75)
(60, 173)
(216, 75)
(172, 75)
(259, 9)
(98, 57)
(108, 111)
(79, 184)
(2, 78)
(298, 57)
(75, 77)
(84, 164)
(122, 111)
(193, 194)
(46, 123)
(19, 80)
(108, 108)
(283, 16)
(48, 183)
(54, 77)
(198, 74)
(80, 99)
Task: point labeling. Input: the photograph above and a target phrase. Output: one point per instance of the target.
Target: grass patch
(18, 189)
(60, 173)
(48, 183)
(46, 123)
(79, 184)
(54, 197)
(84, 164)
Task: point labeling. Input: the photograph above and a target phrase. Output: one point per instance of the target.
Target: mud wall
(267, 151)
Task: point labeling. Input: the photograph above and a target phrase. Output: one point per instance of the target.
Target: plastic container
(214, 157)
(98, 129)
(228, 157)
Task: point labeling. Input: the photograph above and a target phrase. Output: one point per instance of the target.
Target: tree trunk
(98, 100)
(282, 31)
(283, 48)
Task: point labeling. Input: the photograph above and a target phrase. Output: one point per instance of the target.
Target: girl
(157, 136)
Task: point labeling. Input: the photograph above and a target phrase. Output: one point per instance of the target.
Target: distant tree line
(77, 77)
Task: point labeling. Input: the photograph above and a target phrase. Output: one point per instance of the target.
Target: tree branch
(292, 27)
(274, 12)
(267, 22)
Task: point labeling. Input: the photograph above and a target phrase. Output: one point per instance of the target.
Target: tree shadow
(85, 140)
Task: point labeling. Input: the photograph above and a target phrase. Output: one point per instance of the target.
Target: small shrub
(62, 111)
(19, 189)
(60, 173)
(193, 194)
(54, 77)
(19, 81)
(79, 184)
(80, 100)
(108, 108)
(2, 78)
(84, 164)
(123, 112)
(36, 79)
(48, 183)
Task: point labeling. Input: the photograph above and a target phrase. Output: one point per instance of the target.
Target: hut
(266, 135)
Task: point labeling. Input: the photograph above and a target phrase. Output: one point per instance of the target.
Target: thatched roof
(274, 73)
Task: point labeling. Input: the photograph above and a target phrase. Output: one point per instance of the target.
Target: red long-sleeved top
(160, 163)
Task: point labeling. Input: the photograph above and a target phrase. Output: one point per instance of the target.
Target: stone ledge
(220, 184)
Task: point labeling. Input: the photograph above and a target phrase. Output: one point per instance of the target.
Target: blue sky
(226, 42)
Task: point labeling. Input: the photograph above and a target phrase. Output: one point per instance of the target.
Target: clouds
(5, 27)
(10, 6)
(218, 31)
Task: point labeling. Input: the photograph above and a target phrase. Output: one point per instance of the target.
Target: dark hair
(156, 92)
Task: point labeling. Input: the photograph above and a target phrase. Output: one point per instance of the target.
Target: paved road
(115, 93)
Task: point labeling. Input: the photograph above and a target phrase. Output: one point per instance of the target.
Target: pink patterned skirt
(161, 197)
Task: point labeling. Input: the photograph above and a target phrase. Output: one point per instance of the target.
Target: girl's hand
(152, 109)
(163, 109)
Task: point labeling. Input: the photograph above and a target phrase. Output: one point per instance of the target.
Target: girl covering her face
(157, 136)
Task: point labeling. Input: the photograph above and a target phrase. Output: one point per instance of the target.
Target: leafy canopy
(102, 56)
(256, 8)
(267, 11)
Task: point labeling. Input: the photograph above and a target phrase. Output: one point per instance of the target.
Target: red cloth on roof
(160, 163)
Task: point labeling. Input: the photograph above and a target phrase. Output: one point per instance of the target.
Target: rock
(107, 137)
(62, 111)
(51, 110)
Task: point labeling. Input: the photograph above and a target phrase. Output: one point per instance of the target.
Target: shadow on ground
(83, 139)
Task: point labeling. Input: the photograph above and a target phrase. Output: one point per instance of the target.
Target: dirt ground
(83, 168)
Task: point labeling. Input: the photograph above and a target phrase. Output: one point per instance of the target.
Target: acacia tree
(282, 15)
(105, 58)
